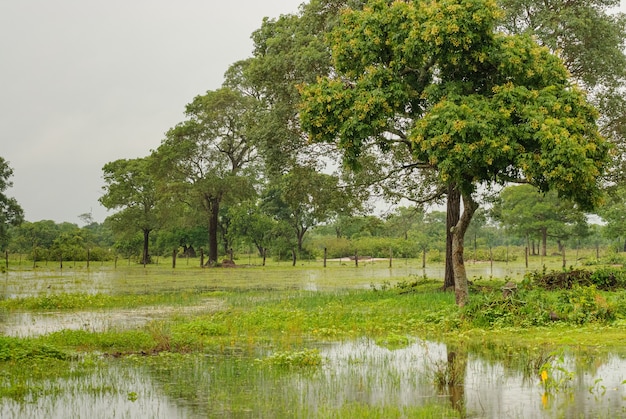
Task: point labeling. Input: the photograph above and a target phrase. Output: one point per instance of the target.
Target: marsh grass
(77, 301)
(206, 358)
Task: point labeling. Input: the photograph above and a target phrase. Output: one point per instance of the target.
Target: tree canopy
(476, 106)
(212, 156)
(530, 213)
(131, 188)
(11, 213)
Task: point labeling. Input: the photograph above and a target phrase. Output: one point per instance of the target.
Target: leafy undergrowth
(604, 278)
(574, 297)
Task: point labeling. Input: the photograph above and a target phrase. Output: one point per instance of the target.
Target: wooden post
(597, 251)
(174, 258)
(356, 258)
(424, 258)
(526, 256)
(61, 260)
(34, 257)
(201, 257)
(390, 257)
(563, 252)
(6, 259)
(325, 256)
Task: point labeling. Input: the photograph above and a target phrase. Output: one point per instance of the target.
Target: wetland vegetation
(309, 341)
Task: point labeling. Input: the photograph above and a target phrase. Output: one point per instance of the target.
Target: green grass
(266, 314)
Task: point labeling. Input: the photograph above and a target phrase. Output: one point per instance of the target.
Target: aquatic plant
(294, 359)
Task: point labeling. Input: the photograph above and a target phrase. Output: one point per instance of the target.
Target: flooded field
(391, 375)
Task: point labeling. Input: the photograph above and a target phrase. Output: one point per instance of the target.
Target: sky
(85, 82)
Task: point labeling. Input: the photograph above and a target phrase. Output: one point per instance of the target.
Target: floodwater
(25, 324)
(359, 372)
(353, 373)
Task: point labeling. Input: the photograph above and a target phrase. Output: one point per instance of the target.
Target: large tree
(212, 156)
(130, 187)
(589, 35)
(475, 106)
(11, 213)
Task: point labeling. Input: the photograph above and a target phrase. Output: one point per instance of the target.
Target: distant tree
(130, 188)
(305, 198)
(614, 214)
(250, 225)
(403, 220)
(211, 158)
(36, 237)
(11, 214)
(525, 211)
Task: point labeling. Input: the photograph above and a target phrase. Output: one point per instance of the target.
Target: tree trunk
(461, 288)
(453, 213)
(145, 258)
(544, 242)
(300, 232)
(214, 207)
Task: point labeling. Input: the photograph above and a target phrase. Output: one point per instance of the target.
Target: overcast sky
(86, 82)
(83, 83)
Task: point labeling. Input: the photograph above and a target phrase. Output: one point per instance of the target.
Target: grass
(281, 316)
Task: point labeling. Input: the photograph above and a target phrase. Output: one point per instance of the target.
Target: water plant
(294, 359)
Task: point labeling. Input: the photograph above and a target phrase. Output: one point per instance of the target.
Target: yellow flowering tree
(474, 106)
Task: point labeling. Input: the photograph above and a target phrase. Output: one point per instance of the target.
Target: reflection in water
(354, 373)
(113, 393)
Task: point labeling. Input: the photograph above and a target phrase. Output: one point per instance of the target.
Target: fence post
(390, 257)
(325, 255)
(201, 257)
(356, 258)
(174, 258)
(526, 256)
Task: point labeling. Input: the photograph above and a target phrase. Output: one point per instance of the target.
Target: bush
(578, 305)
(604, 279)
(499, 254)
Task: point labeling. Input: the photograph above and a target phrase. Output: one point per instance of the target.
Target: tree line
(519, 218)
